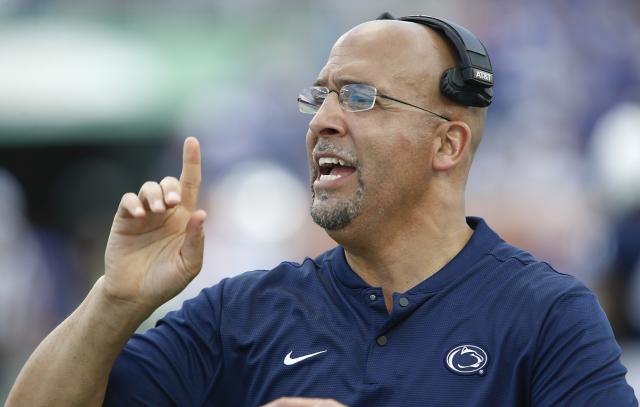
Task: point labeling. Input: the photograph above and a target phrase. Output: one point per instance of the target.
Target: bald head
(417, 54)
(414, 57)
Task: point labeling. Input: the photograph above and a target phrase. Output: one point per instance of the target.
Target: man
(417, 306)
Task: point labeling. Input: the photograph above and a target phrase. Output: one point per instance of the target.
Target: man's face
(372, 164)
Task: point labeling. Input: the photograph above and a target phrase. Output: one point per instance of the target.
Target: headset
(471, 82)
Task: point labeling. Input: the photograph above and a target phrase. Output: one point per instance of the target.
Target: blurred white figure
(260, 201)
(24, 292)
(615, 149)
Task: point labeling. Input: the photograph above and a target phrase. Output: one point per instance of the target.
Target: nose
(329, 120)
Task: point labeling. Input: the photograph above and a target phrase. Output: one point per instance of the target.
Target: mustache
(325, 146)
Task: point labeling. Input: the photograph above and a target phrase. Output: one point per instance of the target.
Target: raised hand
(156, 242)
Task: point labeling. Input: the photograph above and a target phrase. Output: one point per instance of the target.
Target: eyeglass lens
(353, 97)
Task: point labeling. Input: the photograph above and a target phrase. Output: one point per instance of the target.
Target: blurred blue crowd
(98, 97)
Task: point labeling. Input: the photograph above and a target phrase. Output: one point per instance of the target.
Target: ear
(453, 139)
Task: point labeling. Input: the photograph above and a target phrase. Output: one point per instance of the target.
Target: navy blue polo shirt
(494, 327)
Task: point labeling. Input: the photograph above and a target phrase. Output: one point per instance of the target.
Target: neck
(398, 257)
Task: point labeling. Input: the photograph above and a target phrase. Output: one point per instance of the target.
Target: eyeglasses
(354, 97)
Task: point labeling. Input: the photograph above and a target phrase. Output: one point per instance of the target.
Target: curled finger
(151, 196)
(131, 206)
(171, 191)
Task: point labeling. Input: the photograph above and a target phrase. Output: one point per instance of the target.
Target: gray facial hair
(339, 214)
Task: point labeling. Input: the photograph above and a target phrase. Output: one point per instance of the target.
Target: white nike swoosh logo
(288, 360)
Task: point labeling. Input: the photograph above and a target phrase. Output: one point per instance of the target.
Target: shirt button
(403, 302)
(382, 340)
(372, 297)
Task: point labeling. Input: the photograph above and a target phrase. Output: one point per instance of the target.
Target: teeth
(332, 160)
(328, 160)
(329, 177)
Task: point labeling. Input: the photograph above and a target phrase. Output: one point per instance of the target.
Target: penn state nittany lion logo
(467, 360)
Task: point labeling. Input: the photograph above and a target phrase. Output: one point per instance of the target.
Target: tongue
(342, 171)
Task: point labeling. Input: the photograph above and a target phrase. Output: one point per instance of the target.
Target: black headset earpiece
(453, 86)
(471, 82)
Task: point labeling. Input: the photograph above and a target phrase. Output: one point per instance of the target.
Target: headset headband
(471, 82)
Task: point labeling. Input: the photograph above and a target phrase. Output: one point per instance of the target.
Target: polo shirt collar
(481, 242)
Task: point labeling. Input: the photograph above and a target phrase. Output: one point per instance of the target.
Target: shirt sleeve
(176, 363)
(577, 357)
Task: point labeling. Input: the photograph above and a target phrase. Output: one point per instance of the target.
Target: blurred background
(97, 97)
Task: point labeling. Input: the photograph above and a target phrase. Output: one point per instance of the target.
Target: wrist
(117, 314)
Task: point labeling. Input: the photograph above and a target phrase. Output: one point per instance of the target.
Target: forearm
(155, 248)
(71, 366)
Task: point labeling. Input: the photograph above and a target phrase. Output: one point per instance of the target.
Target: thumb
(193, 246)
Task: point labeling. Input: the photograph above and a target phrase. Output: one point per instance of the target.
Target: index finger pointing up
(191, 173)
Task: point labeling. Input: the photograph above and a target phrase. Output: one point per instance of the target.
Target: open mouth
(333, 168)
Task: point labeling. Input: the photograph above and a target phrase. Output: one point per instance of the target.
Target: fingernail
(158, 206)
(138, 211)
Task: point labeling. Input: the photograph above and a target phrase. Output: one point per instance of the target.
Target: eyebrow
(340, 82)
